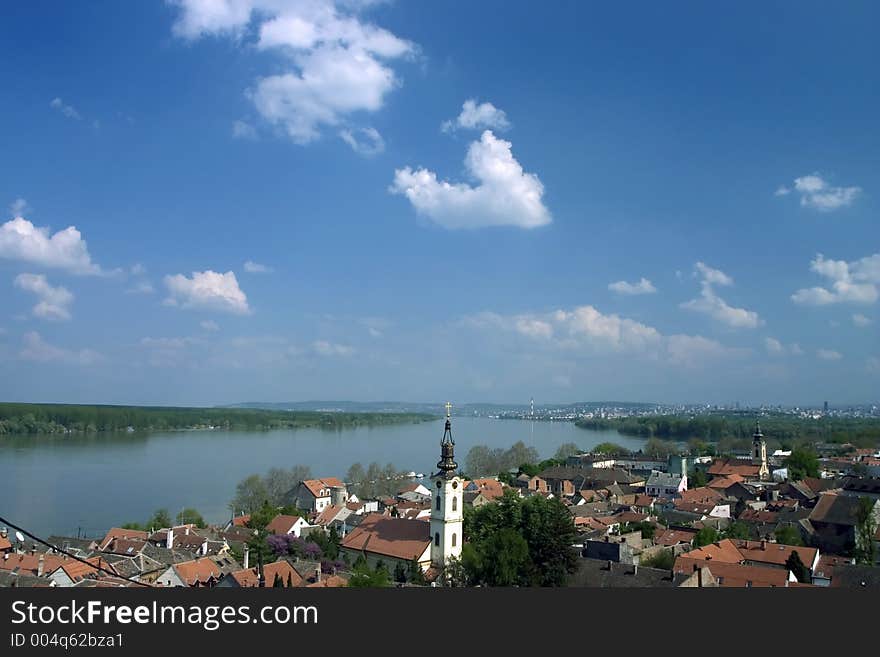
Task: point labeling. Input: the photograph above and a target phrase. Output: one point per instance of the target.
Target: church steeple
(446, 465)
(759, 452)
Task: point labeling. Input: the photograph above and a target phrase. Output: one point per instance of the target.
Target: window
(437, 539)
(454, 505)
(438, 502)
(453, 540)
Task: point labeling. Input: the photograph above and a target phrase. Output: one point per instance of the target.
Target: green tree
(365, 577)
(866, 530)
(697, 479)
(797, 567)
(737, 529)
(134, 525)
(663, 559)
(161, 519)
(565, 450)
(544, 524)
(788, 535)
(706, 536)
(415, 574)
(400, 572)
(802, 463)
(250, 494)
(278, 582)
(190, 516)
(610, 448)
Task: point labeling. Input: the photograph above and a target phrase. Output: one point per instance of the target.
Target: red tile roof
(119, 532)
(733, 466)
(669, 537)
(392, 537)
(198, 571)
(774, 553)
(734, 574)
(703, 495)
(29, 563)
(281, 524)
(250, 577)
(241, 521)
(315, 486)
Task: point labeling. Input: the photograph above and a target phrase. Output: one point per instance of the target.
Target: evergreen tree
(797, 567)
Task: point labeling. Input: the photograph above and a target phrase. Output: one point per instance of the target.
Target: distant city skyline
(210, 203)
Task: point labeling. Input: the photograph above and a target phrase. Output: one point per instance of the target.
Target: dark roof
(583, 476)
(597, 573)
(856, 577)
(835, 510)
(862, 485)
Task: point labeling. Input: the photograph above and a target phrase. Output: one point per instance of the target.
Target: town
(606, 518)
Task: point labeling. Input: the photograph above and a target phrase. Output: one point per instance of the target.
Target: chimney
(186, 531)
(609, 564)
(247, 554)
(34, 549)
(4, 532)
(318, 574)
(5, 556)
(169, 543)
(699, 577)
(40, 565)
(763, 544)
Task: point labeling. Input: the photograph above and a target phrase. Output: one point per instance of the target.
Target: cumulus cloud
(504, 196)
(207, 290)
(776, 348)
(644, 286)
(35, 348)
(585, 329)
(477, 117)
(243, 130)
(815, 192)
(53, 302)
(65, 249)
(336, 63)
(828, 354)
(364, 141)
(325, 348)
(709, 303)
(252, 267)
(861, 321)
(19, 207)
(67, 110)
(851, 282)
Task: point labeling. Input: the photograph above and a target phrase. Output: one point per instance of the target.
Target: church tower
(759, 452)
(446, 508)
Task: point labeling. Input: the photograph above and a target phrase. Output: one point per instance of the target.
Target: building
(316, 494)
(389, 540)
(759, 453)
(447, 510)
(663, 484)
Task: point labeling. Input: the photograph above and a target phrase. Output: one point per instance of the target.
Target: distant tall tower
(447, 508)
(532, 407)
(826, 408)
(759, 452)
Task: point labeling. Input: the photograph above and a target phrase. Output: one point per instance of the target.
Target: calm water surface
(57, 484)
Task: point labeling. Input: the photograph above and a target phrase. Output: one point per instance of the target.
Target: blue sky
(211, 202)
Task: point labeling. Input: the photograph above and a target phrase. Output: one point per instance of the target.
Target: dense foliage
(485, 461)
(732, 428)
(519, 542)
(73, 418)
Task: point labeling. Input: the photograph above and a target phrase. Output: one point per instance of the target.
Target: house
(608, 549)
(315, 494)
(600, 573)
(332, 514)
(71, 571)
(702, 495)
(856, 577)
(774, 555)
(674, 536)
(488, 489)
(702, 510)
(182, 537)
(120, 533)
(726, 467)
(834, 520)
(729, 574)
(284, 524)
(202, 572)
(250, 577)
(663, 484)
(390, 540)
(823, 573)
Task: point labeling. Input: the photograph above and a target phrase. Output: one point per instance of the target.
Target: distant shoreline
(36, 419)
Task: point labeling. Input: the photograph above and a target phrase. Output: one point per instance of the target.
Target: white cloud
(505, 195)
(477, 117)
(54, 302)
(36, 349)
(208, 290)
(209, 325)
(860, 320)
(587, 330)
(816, 193)
(709, 303)
(851, 282)
(776, 348)
(364, 141)
(141, 287)
(21, 240)
(243, 130)
(336, 64)
(325, 348)
(138, 269)
(67, 110)
(828, 354)
(252, 267)
(644, 286)
(19, 207)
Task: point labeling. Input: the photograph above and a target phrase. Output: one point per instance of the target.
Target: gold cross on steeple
(448, 409)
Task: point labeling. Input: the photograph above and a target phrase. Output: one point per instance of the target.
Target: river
(88, 483)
